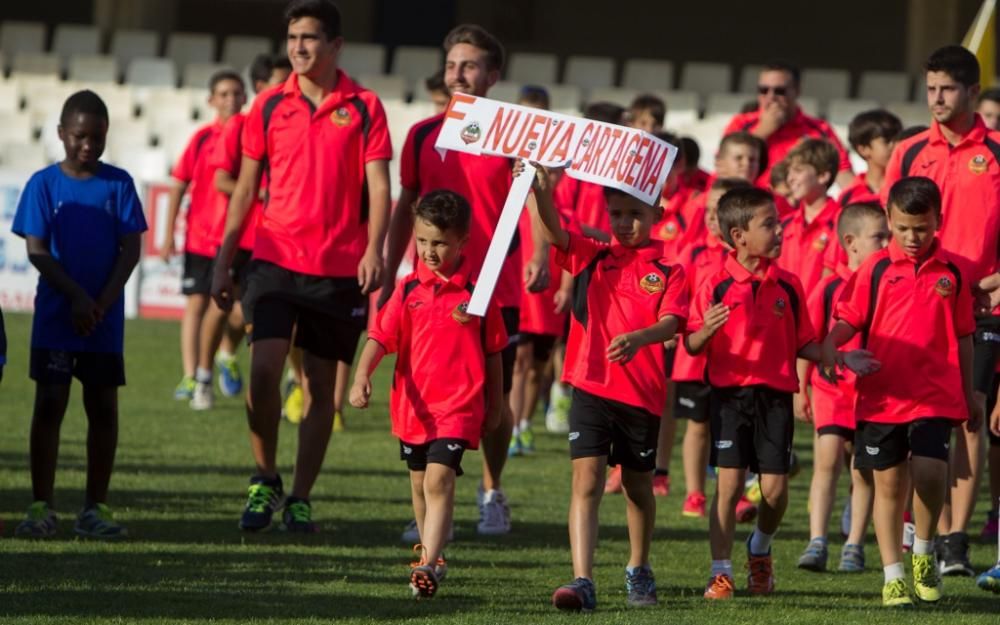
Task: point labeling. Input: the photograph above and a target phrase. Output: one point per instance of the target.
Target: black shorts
(884, 445)
(751, 427)
(668, 360)
(692, 401)
(197, 278)
(603, 427)
(839, 430)
(446, 451)
(542, 345)
(51, 366)
(238, 270)
(986, 342)
(511, 323)
(328, 314)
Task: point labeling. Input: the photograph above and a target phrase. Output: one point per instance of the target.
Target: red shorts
(832, 409)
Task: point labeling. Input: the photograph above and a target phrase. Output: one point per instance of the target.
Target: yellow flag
(981, 40)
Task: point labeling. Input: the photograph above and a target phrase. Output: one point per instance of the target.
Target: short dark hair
(993, 95)
(955, 61)
(691, 151)
(435, 82)
(445, 210)
(871, 125)
(779, 173)
(853, 215)
(652, 104)
(477, 36)
(323, 10)
(818, 153)
(223, 75)
(784, 66)
(261, 68)
(737, 208)
(534, 95)
(607, 112)
(728, 184)
(916, 195)
(743, 137)
(84, 102)
(909, 131)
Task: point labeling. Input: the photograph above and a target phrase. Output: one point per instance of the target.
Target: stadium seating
(682, 107)
(72, 40)
(366, 59)
(618, 95)
(533, 69)
(16, 37)
(26, 157)
(749, 75)
(415, 64)
(239, 51)
(93, 68)
(184, 48)
(10, 96)
(841, 112)
(506, 91)
(589, 72)
(390, 87)
(565, 98)
(151, 72)
(36, 63)
(128, 45)
(725, 105)
(884, 86)
(197, 75)
(648, 75)
(15, 127)
(826, 84)
(706, 78)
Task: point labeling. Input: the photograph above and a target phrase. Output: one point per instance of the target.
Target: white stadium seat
(146, 165)
(884, 86)
(530, 68)
(648, 75)
(505, 91)
(841, 112)
(749, 77)
(73, 40)
(164, 107)
(93, 68)
(826, 84)
(10, 96)
(184, 48)
(589, 72)
(706, 78)
(618, 95)
(416, 63)
(682, 107)
(910, 113)
(26, 157)
(362, 59)
(197, 75)
(564, 98)
(725, 105)
(809, 106)
(390, 87)
(239, 51)
(128, 45)
(150, 72)
(16, 128)
(36, 63)
(18, 37)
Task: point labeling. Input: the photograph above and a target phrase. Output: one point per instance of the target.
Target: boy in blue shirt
(83, 223)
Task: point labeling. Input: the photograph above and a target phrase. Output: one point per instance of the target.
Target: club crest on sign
(978, 164)
(779, 307)
(460, 315)
(341, 117)
(652, 283)
(471, 133)
(944, 287)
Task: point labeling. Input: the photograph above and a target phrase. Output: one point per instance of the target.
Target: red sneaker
(719, 587)
(760, 580)
(661, 485)
(614, 482)
(694, 506)
(745, 511)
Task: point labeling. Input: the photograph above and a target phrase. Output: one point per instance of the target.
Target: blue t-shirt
(82, 222)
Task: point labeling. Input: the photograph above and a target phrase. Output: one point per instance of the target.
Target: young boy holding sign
(629, 300)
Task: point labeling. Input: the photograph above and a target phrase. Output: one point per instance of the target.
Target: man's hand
(370, 272)
(801, 407)
(85, 314)
(772, 117)
(222, 288)
(715, 317)
(361, 392)
(536, 275)
(987, 294)
(167, 250)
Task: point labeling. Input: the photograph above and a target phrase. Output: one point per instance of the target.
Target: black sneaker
(955, 552)
(297, 517)
(264, 497)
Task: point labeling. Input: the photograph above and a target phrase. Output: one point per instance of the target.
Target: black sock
(659, 472)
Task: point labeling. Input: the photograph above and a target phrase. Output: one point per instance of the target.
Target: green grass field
(179, 487)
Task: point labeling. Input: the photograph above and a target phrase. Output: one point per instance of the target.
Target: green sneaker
(99, 522)
(896, 595)
(40, 522)
(527, 441)
(297, 517)
(184, 391)
(926, 580)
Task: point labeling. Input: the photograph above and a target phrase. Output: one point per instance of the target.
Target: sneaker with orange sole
(760, 576)
(614, 482)
(720, 587)
(661, 485)
(694, 506)
(440, 567)
(746, 511)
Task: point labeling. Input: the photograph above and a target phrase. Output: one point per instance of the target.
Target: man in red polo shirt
(962, 157)
(318, 249)
(780, 122)
(473, 64)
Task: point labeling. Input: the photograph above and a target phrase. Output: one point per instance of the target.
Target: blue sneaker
(640, 586)
(98, 522)
(264, 497)
(990, 580)
(852, 559)
(230, 380)
(576, 596)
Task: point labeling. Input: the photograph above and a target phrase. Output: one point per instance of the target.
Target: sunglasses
(778, 91)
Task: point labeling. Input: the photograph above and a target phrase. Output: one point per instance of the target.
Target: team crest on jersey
(669, 231)
(944, 287)
(341, 116)
(652, 283)
(779, 307)
(460, 315)
(978, 164)
(820, 244)
(471, 133)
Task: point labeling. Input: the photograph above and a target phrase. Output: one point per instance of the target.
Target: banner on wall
(160, 289)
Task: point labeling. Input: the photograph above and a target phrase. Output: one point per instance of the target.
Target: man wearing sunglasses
(780, 122)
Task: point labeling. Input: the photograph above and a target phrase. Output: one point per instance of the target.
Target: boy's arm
(371, 268)
(536, 271)
(714, 318)
(84, 309)
(224, 182)
(240, 203)
(624, 347)
(976, 408)
(800, 402)
(543, 209)
(397, 239)
(371, 355)
(129, 246)
(494, 392)
(177, 191)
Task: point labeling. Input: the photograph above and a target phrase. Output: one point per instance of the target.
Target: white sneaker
(494, 514)
(411, 535)
(557, 416)
(204, 397)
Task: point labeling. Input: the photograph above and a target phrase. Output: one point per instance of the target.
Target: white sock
(722, 567)
(223, 355)
(524, 426)
(894, 571)
(515, 432)
(760, 543)
(923, 547)
(203, 376)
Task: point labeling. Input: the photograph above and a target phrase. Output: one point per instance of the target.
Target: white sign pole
(502, 236)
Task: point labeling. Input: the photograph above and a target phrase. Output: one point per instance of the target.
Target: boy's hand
(995, 420)
(536, 275)
(361, 392)
(222, 288)
(85, 313)
(862, 362)
(562, 300)
(976, 417)
(801, 407)
(715, 317)
(168, 248)
(623, 348)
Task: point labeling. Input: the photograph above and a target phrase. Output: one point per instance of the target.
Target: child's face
(872, 236)
(712, 211)
(738, 161)
(440, 100)
(631, 219)
(914, 233)
(644, 120)
(762, 238)
(877, 152)
(227, 98)
(990, 111)
(83, 136)
(804, 182)
(436, 248)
